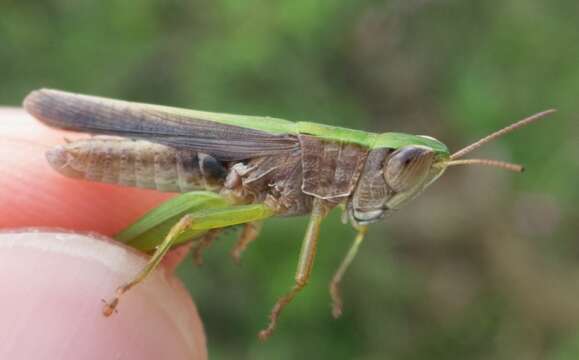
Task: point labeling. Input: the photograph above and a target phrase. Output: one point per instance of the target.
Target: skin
(45, 314)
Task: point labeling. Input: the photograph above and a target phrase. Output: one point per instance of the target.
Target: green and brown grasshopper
(235, 169)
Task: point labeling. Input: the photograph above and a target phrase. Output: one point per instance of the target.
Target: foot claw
(110, 307)
(263, 335)
(197, 258)
(236, 257)
(336, 310)
(336, 298)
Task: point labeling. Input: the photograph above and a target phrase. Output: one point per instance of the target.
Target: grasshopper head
(409, 170)
(398, 168)
(412, 164)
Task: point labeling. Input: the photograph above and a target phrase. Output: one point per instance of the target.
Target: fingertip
(34, 194)
(52, 287)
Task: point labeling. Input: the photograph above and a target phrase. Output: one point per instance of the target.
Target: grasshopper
(240, 170)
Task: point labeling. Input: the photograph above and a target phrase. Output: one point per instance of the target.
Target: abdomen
(138, 163)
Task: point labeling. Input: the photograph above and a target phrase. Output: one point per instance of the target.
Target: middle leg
(304, 269)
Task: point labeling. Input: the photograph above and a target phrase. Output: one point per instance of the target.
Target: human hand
(53, 282)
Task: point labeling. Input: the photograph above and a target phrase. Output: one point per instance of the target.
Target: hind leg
(202, 220)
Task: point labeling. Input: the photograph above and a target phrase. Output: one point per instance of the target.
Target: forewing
(169, 126)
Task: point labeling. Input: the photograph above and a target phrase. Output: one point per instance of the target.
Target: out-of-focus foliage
(483, 266)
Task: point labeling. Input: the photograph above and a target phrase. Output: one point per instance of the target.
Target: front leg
(335, 283)
(304, 269)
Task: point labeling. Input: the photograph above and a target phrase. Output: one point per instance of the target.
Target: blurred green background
(484, 265)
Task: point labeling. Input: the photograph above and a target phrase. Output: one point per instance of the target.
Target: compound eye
(408, 167)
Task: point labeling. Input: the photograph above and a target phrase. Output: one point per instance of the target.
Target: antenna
(460, 153)
(487, 162)
(494, 163)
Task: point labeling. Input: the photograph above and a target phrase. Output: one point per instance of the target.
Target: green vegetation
(482, 266)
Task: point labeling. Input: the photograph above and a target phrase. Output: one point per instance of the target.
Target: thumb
(51, 308)
(33, 194)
